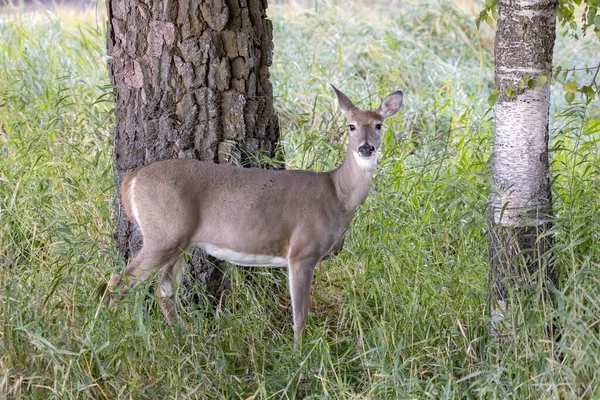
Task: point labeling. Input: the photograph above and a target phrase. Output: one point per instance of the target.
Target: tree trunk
(192, 81)
(521, 208)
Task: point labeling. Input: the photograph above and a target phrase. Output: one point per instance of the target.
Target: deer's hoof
(112, 305)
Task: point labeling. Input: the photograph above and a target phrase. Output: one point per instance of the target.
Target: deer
(250, 216)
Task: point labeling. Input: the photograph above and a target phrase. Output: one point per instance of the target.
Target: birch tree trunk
(521, 208)
(192, 81)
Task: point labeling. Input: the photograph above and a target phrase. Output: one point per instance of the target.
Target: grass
(400, 313)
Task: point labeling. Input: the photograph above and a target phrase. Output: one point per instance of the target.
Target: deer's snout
(366, 150)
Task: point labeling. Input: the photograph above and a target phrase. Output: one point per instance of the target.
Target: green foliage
(401, 313)
(575, 17)
(489, 14)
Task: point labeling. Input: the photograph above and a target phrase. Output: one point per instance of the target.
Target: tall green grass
(400, 313)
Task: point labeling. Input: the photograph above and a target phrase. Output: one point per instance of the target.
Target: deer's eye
(378, 127)
(352, 127)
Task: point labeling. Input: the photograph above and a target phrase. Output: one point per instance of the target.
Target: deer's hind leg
(167, 290)
(149, 259)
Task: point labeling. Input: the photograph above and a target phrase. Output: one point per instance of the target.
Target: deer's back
(210, 203)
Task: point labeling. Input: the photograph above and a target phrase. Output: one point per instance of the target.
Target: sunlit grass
(400, 313)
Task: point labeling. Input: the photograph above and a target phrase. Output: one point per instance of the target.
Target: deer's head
(365, 127)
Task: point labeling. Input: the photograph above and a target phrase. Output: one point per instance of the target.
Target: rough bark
(192, 81)
(521, 209)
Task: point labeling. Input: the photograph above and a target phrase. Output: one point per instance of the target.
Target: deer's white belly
(243, 259)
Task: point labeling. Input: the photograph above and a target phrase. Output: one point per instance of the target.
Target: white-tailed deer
(251, 217)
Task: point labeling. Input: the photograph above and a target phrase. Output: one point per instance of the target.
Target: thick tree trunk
(192, 81)
(521, 209)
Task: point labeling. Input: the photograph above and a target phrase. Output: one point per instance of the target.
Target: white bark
(524, 46)
(521, 199)
(520, 174)
(520, 167)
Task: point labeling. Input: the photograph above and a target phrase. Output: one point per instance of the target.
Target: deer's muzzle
(366, 150)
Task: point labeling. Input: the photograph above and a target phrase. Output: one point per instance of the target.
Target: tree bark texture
(192, 81)
(521, 208)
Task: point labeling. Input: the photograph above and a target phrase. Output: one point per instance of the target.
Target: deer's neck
(352, 181)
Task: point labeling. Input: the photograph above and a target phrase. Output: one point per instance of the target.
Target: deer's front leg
(300, 276)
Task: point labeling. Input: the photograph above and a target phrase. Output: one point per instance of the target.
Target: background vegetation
(401, 313)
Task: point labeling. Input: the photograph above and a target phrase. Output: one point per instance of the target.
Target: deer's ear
(345, 104)
(391, 105)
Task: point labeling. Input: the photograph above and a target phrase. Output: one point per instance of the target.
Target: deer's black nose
(366, 150)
